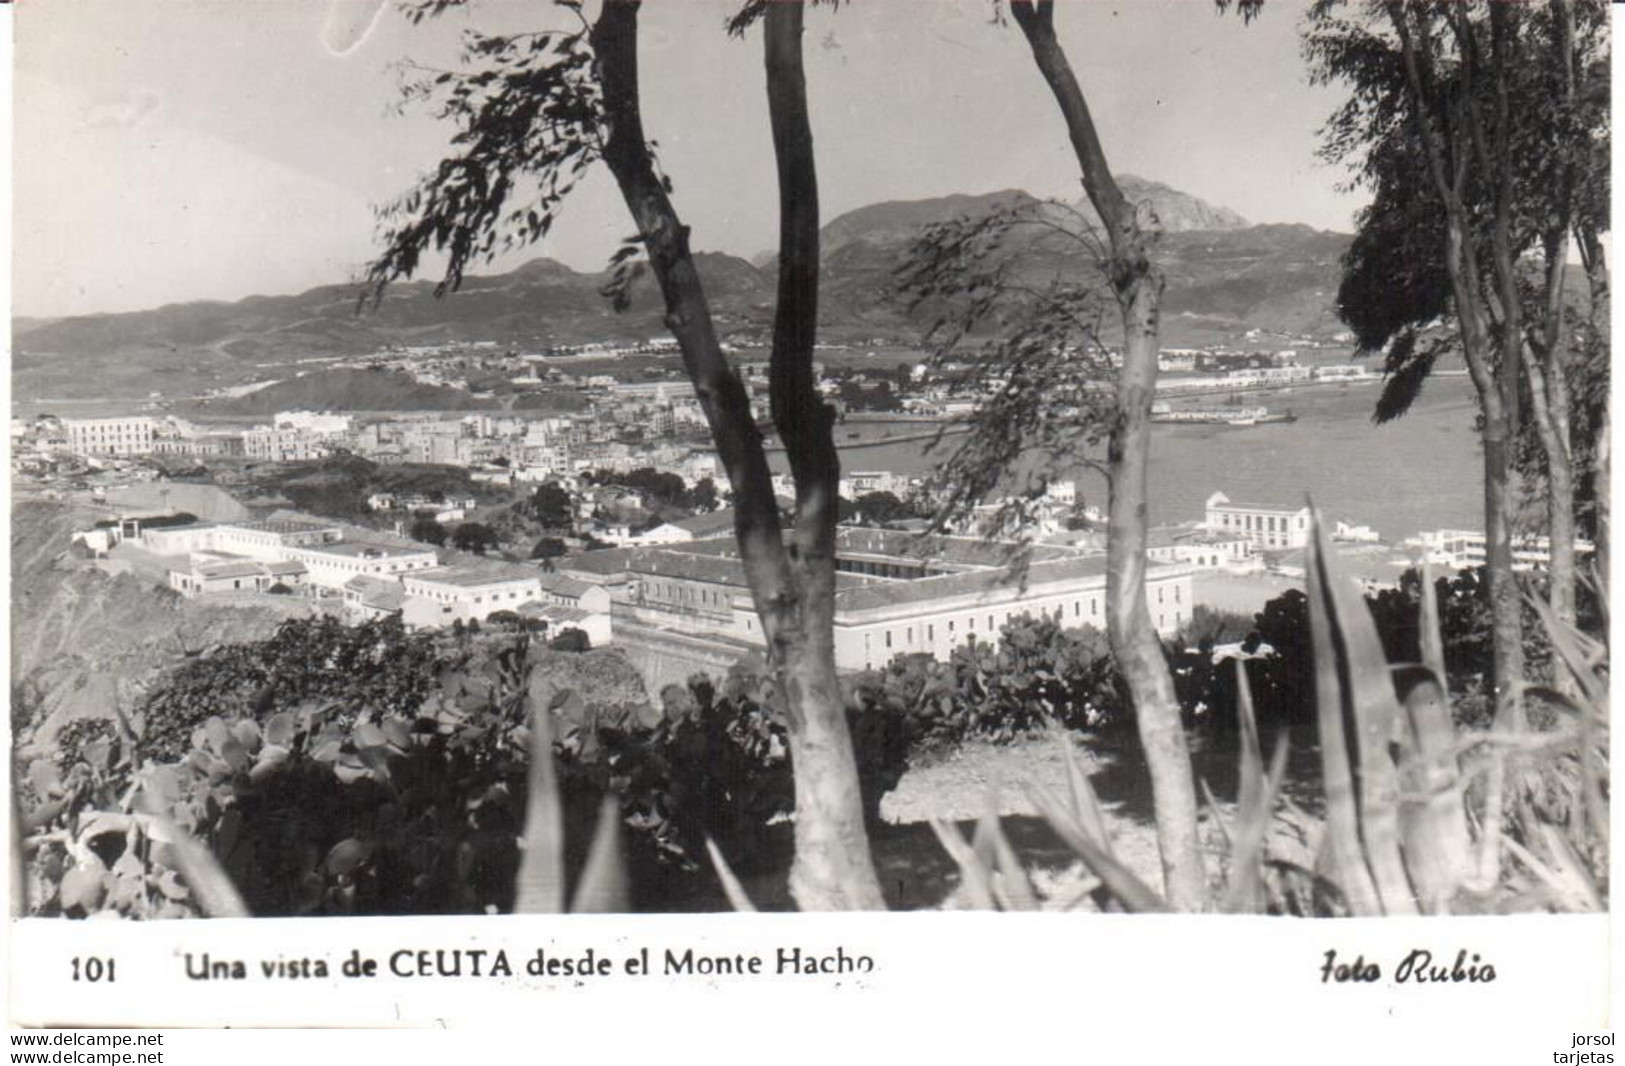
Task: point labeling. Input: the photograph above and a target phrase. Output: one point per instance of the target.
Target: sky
(178, 150)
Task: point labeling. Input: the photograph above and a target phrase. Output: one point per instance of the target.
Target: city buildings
(895, 594)
(109, 436)
(1267, 526)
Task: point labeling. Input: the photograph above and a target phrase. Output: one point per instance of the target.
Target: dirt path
(962, 786)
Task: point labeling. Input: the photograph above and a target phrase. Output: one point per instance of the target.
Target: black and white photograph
(480, 458)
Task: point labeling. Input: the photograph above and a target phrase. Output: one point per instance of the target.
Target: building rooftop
(553, 612)
(377, 592)
(469, 575)
(287, 525)
(708, 525)
(563, 585)
(939, 549)
(715, 569)
(606, 562)
(218, 570)
(1220, 501)
(947, 586)
(370, 549)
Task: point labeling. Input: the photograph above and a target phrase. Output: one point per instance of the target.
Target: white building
(1461, 549)
(281, 445)
(890, 598)
(1265, 525)
(472, 591)
(318, 424)
(109, 436)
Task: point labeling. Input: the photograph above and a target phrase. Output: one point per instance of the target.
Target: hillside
(1225, 277)
(83, 640)
(347, 390)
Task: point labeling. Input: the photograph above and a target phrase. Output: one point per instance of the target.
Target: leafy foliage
(427, 530)
(367, 670)
(550, 505)
(1023, 338)
(527, 108)
(1041, 674)
(474, 537)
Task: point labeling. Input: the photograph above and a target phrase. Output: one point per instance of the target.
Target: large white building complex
(109, 436)
(895, 593)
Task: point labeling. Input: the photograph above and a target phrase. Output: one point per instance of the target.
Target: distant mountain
(1225, 276)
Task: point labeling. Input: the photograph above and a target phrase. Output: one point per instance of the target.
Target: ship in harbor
(1227, 415)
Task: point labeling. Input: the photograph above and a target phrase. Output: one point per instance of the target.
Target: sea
(1420, 472)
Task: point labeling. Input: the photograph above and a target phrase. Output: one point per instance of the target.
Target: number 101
(92, 969)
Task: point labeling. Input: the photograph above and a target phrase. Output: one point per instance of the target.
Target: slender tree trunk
(1604, 497)
(832, 866)
(792, 590)
(1589, 246)
(1449, 142)
(1548, 390)
(1133, 640)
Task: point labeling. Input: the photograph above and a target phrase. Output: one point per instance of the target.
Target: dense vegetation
(363, 769)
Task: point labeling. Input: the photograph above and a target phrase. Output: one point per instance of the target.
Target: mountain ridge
(1220, 267)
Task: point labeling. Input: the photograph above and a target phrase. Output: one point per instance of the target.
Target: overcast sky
(213, 149)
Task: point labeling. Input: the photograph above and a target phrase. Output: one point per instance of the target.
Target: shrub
(1039, 674)
(368, 669)
(571, 639)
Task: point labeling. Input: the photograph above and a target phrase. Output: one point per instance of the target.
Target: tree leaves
(1014, 330)
(528, 115)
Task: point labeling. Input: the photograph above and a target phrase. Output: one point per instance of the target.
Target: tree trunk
(793, 592)
(1604, 498)
(1448, 160)
(1546, 393)
(1133, 640)
(1596, 269)
(832, 868)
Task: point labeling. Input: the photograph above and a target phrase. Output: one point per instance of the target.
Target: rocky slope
(83, 639)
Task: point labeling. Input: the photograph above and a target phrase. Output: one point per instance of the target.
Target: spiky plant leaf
(975, 878)
(1016, 889)
(603, 885)
(1245, 892)
(1085, 805)
(1432, 816)
(1360, 723)
(737, 899)
(1121, 882)
(540, 884)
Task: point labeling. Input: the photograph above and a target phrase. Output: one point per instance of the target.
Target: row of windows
(1257, 523)
(903, 636)
(676, 592)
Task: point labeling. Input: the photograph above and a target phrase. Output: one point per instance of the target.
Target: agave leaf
(603, 885)
(541, 868)
(1250, 779)
(1432, 818)
(1085, 806)
(1012, 876)
(1432, 627)
(1359, 720)
(211, 886)
(981, 840)
(1118, 879)
(1571, 893)
(1579, 653)
(731, 887)
(19, 883)
(976, 880)
(1213, 809)
(1245, 892)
